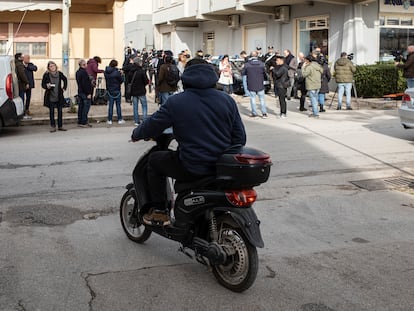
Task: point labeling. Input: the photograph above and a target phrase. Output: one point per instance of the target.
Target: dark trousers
(28, 95)
(52, 107)
(84, 104)
(160, 165)
(281, 92)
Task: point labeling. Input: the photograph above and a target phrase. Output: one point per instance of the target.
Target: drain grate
(384, 183)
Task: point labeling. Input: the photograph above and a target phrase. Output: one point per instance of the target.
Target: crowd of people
(301, 77)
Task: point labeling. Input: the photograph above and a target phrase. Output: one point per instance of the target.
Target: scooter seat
(181, 186)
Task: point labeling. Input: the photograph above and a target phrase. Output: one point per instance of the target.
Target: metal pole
(65, 37)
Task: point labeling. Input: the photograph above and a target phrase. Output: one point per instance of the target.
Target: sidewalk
(99, 113)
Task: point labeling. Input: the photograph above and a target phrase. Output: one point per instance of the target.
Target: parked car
(406, 110)
(11, 104)
(236, 67)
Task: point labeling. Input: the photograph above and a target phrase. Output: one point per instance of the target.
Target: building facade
(373, 30)
(96, 28)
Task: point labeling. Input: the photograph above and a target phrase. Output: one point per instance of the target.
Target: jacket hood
(342, 61)
(201, 76)
(255, 62)
(110, 70)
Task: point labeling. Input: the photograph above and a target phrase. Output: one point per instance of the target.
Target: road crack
(88, 275)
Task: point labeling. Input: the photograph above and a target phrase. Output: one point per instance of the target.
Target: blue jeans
(164, 96)
(321, 97)
(83, 109)
(228, 88)
(114, 97)
(261, 95)
(347, 88)
(246, 91)
(143, 100)
(313, 96)
(410, 82)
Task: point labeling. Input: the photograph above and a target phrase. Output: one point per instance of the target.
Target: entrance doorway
(313, 33)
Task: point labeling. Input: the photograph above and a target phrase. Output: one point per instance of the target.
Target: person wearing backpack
(167, 79)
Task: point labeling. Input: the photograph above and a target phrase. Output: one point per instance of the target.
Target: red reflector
(9, 86)
(252, 159)
(406, 98)
(241, 198)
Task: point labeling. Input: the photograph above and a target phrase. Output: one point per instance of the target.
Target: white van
(11, 104)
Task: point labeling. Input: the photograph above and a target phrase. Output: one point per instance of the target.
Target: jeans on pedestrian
(135, 101)
(164, 96)
(246, 91)
(313, 96)
(228, 88)
(289, 89)
(83, 109)
(321, 99)
(261, 95)
(344, 87)
(58, 106)
(410, 82)
(114, 97)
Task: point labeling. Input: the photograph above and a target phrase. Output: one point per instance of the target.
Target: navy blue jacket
(205, 121)
(254, 69)
(84, 82)
(113, 79)
(28, 70)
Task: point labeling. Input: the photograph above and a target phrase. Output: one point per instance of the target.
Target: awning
(30, 5)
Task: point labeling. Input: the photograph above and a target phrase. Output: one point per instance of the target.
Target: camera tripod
(355, 93)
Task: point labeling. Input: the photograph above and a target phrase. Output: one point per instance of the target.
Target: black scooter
(213, 216)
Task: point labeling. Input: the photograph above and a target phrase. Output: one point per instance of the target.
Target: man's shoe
(348, 108)
(254, 116)
(303, 109)
(156, 217)
(316, 116)
(338, 108)
(322, 110)
(83, 125)
(62, 129)
(27, 117)
(121, 121)
(52, 129)
(283, 115)
(264, 116)
(109, 122)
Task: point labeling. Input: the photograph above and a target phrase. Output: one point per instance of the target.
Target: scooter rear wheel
(240, 270)
(131, 224)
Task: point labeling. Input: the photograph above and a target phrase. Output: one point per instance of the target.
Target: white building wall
(352, 28)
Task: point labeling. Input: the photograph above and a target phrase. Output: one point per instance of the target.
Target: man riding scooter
(205, 123)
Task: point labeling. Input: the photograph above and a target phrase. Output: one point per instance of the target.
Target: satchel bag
(129, 86)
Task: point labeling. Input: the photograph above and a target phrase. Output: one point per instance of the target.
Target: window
(31, 38)
(396, 34)
(313, 33)
(208, 42)
(31, 48)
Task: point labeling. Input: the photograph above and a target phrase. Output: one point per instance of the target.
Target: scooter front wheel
(239, 271)
(131, 224)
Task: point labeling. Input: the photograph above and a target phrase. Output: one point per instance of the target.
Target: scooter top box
(243, 167)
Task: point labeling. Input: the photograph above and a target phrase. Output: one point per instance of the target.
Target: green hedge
(379, 80)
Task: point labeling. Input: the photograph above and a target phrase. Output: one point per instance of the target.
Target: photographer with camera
(344, 76)
(408, 66)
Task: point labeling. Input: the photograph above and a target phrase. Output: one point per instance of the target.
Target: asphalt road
(337, 220)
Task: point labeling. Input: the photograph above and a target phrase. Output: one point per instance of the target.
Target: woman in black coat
(52, 82)
(326, 77)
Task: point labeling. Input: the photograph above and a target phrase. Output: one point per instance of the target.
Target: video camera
(398, 56)
(350, 56)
